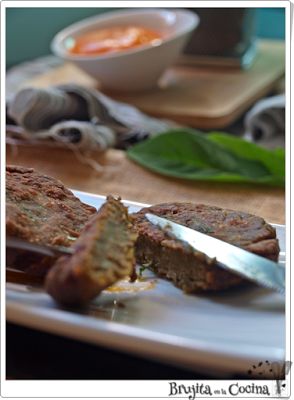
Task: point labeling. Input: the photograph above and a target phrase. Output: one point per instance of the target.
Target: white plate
(221, 334)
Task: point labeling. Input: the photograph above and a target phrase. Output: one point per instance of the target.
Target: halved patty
(104, 253)
(191, 270)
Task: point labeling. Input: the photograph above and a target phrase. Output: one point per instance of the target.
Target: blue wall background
(29, 31)
(270, 23)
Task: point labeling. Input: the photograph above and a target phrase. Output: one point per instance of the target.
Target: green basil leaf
(273, 160)
(189, 154)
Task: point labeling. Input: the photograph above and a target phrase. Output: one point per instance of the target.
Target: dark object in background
(33, 354)
(224, 37)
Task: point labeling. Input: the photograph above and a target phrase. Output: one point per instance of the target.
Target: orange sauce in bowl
(113, 40)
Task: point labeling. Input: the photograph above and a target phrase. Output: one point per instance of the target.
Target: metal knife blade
(22, 244)
(258, 269)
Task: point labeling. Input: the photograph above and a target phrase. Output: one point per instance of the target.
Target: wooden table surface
(122, 177)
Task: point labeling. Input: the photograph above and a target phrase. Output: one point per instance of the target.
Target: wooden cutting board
(205, 98)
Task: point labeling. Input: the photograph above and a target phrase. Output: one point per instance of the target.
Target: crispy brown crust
(104, 253)
(190, 270)
(40, 209)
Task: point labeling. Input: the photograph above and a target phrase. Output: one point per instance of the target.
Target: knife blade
(248, 265)
(22, 244)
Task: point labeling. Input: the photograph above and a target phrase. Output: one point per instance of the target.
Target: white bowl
(133, 70)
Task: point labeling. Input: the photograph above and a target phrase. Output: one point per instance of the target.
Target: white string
(13, 142)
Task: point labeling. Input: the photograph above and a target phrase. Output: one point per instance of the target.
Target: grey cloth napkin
(78, 116)
(265, 122)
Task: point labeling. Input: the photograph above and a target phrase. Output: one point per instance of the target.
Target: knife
(22, 244)
(258, 269)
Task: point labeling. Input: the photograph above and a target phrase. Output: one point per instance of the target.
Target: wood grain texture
(124, 178)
